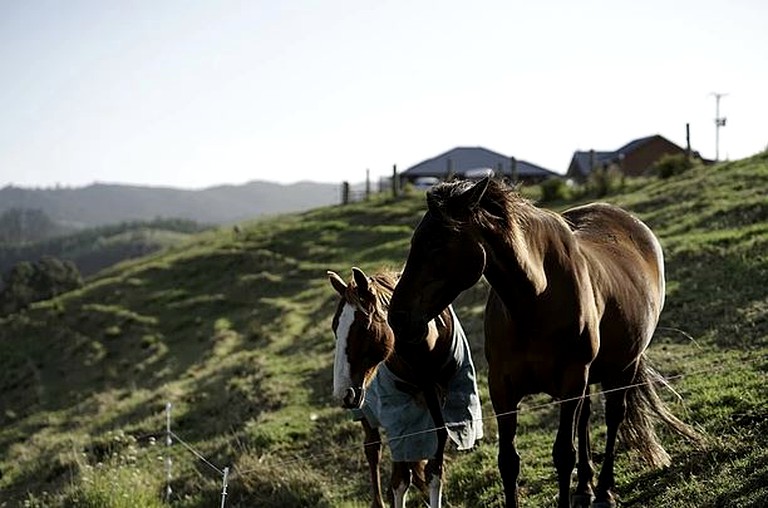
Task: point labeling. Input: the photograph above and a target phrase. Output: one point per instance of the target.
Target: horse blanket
(400, 410)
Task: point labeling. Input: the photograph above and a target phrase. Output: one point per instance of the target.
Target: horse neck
(517, 253)
(439, 338)
(439, 343)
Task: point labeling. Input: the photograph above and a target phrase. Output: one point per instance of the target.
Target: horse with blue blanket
(418, 406)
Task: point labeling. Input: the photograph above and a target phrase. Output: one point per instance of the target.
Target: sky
(192, 94)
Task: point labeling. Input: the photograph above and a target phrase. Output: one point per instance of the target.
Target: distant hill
(101, 204)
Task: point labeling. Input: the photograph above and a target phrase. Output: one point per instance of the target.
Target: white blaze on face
(341, 369)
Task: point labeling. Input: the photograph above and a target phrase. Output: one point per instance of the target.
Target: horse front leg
(508, 458)
(564, 451)
(506, 399)
(583, 496)
(434, 469)
(372, 447)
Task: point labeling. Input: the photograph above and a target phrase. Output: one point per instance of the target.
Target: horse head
(363, 338)
(446, 258)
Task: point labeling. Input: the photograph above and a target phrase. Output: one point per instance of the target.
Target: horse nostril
(349, 396)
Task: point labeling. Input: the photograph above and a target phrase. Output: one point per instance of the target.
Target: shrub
(554, 189)
(670, 165)
(33, 282)
(605, 180)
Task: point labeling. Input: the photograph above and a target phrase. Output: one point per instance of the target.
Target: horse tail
(643, 407)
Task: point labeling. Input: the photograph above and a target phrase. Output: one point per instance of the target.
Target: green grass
(234, 330)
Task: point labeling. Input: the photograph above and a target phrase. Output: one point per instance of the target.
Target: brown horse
(575, 299)
(371, 378)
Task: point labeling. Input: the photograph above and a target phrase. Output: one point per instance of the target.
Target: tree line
(30, 282)
(38, 262)
(24, 225)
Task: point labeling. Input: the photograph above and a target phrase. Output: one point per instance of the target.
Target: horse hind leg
(418, 477)
(400, 481)
(435, 485)
(405, 474)
(615, 411)
(631, 412)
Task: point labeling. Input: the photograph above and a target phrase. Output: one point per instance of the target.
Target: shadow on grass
(719, 467)
(728, 280)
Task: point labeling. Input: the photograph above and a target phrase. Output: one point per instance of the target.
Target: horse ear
(472, 196)
(337, 282)
(361, 279)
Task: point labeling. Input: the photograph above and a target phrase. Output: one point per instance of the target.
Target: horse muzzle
(353, 397)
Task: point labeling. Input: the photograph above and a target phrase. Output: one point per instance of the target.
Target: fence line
(170, 435)
(225, 472)
(168, 460)
(525, 409)
(198, 454)
(225, 475)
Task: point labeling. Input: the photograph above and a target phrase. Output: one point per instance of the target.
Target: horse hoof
(581, 500)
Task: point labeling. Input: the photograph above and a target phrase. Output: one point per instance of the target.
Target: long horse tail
(644, 407)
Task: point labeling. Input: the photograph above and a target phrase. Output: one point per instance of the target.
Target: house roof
(635, 144)
(463, 159)
(581, 159)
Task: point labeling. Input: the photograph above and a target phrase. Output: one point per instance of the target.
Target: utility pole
(395, 182)
(719, 122)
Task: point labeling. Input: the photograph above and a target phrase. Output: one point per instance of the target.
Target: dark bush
(33, 282)
(670, 165)
(554, 189)
(605, 180)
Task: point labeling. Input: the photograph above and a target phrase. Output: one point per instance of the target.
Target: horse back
(626, 268)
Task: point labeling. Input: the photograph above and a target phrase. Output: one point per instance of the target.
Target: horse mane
(530, 231)
(500, 207)
(382, 285)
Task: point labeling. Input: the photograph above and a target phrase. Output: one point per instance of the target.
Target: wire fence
(226, 477)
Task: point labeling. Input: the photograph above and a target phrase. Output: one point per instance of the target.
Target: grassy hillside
(94, 249)
(234, 331)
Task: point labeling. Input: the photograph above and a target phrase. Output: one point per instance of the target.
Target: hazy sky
(192, 94)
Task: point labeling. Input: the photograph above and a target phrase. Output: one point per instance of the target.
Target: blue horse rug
(400, 410)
